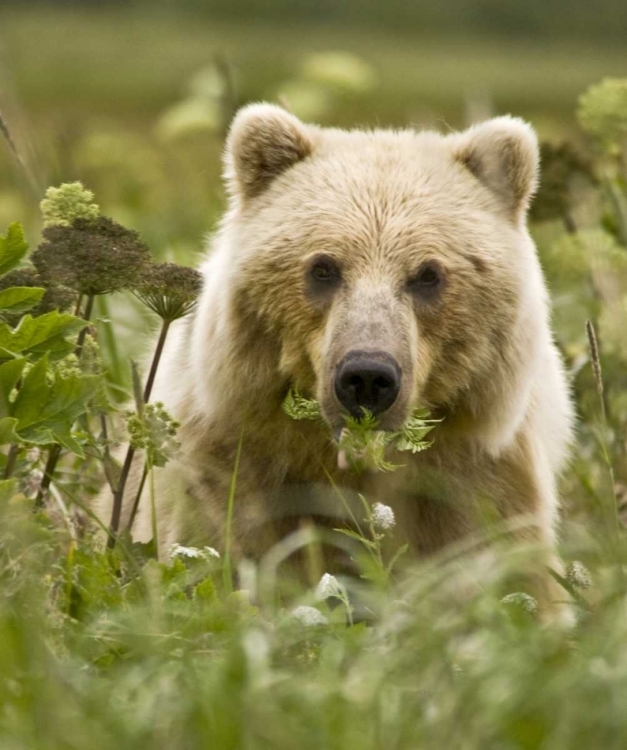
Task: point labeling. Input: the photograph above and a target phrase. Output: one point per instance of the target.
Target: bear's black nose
(367, 380)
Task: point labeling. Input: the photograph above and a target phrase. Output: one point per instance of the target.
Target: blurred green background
(133, 97)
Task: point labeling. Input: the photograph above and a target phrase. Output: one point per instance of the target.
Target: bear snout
(367, 380)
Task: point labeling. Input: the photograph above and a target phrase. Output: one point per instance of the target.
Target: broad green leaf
(18, 299)
(46, 411)
(205, 591)
(37, 336)
(13, 248)
(7, 434)
(63, 436)
(10, 373)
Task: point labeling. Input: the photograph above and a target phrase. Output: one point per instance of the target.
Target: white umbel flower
(383, 516)
(578, 575)
(309, 616)
(327, 587)
(194, 553)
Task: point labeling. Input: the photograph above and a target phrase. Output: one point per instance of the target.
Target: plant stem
(11, 459)
(569, 223)
(108, 342)
(153, 509)
(89, 306)
(79, 302)
(105, 433)
(118, 494)
(226, 570)
(138, 495)
(51, 465)
(55, 451)
(598, 377)
(155, 360)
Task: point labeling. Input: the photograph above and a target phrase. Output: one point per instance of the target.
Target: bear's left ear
(263, 142)
(502, 154)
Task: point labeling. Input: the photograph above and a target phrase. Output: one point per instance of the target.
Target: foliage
(47, 403)
(153, 430)
(299, 407)
(603, 113)
(360, 443)
(13, 248)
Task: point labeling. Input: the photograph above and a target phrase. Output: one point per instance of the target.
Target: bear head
(392, 268)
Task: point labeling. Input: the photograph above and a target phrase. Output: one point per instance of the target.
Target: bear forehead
(390, 166)
(384, 191)
(382, 177)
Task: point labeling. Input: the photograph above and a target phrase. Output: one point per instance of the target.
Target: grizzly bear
(379, 270)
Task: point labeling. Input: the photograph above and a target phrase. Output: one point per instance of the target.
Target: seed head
(91, 257)
(169, 290)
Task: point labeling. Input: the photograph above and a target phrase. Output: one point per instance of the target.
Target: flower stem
(79, 302)
(155, 360)
(118, 494)
(226, 570)
(138, 495)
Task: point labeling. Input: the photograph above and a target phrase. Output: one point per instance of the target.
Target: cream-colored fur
(481, 356)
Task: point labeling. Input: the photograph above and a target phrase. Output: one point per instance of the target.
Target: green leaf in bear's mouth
(361, 443)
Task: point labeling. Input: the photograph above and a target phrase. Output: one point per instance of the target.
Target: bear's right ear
(264, 141)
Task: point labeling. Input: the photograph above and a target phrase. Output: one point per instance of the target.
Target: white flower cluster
(309, 616)
(177, 550)
(329, 586)
(578, 575)
(383, 516)
(522, 600)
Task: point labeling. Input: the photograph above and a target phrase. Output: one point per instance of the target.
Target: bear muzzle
(368, 380)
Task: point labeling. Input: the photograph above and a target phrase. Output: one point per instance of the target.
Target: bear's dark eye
(427, 281)
(324, 271)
